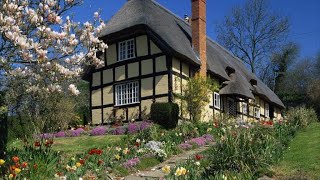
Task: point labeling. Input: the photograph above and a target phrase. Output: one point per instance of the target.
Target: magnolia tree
(42, 52)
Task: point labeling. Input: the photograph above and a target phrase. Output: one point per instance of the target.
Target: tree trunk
(3, 135)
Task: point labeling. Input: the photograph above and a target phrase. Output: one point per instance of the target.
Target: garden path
(156, 172)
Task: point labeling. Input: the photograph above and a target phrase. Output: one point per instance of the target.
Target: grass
(302, 158)
(74, 145)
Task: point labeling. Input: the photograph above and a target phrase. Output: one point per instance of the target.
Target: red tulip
(15, 159)
(198, 157)
(37, 144)
(24, 165)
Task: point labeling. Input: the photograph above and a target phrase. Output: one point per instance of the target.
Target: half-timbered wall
(149, 68)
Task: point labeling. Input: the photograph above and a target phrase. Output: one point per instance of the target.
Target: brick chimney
(199, 32)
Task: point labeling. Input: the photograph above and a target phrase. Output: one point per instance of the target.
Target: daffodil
(125, 151)
(180, 171)
(78, 164)
(166, 169)
(2, 162)
(118, 149)
(117, 157)
(17, 170)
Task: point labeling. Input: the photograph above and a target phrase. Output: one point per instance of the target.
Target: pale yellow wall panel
(96, 79)
(120, 113)
(146, 67)
(161, 64)
(96, 116)
(111, 54)
(120, 73)
(133, 113)
(107, 76)
(163, 99)
(146, 105)
(176, 84)
(262, 109)
(108, 95)
(107, 114)
(133, 70)
(142, 45)
(146, 87)
(162, 84)
(154, 48)
(207, 114)
(176, 65)
(185, 69)
(96, 97)
(211, 99)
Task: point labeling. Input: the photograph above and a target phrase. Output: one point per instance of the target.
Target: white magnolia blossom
(51, 43)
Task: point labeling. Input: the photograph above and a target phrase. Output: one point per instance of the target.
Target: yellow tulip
(2, 162)
(166, 169)
(117, 157)
(180, 171)
(17, 170)
(78, 164)
(10, 176)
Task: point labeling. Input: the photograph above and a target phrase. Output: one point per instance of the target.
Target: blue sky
(303, 14)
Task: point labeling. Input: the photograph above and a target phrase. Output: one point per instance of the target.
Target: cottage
(151, 54)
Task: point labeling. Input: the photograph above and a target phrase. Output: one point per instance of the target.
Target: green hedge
(165, 114)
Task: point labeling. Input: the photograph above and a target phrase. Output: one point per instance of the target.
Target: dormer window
(126, 50)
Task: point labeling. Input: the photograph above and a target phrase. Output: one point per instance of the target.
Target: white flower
(96, 14)
(138, 140)
(73, 89)
(197, 163)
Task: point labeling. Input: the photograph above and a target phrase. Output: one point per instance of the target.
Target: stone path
(156, 173)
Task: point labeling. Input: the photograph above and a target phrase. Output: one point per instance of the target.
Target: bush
(165, 114)
(301, 117)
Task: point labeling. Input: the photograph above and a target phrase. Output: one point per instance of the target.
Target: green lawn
(302, 159)
(80, 144)
(70, 146)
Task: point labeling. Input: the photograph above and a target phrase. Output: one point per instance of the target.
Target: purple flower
(185, 146)
(133, 128)
(208, 137)
(200, 141)
(46, 136)
(98, 131)
(118, 131)
(144, 125)
(60, 134)
(76, 133)
(131, 163)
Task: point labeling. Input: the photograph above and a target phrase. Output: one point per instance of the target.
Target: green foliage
(147, 162)
(243, 150)
(165, 114)
(196, 95)
(301, 117)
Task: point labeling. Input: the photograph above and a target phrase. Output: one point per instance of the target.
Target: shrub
(133, 128)
(165, 114)
(60, 134)
(98, 131)
(119, 131)
(76, 133)
(244, 150)
(301, 117)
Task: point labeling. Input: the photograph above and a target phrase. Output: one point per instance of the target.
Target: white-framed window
(257, 112)
(126, 50)
(127, 93)
(267, 110)
(216, 100)
(244, 108)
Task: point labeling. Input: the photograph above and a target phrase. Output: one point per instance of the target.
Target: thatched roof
(176, 33)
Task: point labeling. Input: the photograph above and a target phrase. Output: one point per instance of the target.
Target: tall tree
(252, 32)
(281, 61)
(42, 52)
